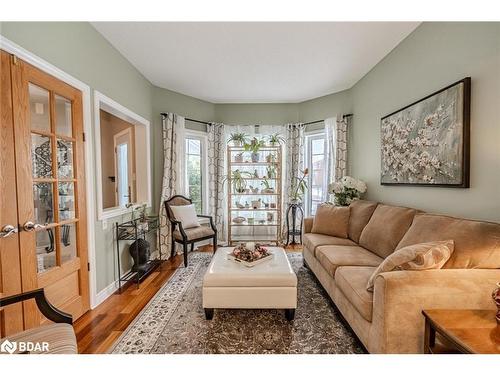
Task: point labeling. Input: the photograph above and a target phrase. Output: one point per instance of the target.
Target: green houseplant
(267, 187)
(239, 184)
(299, 187)
(275, 139)
(254, 146)
(238, 139)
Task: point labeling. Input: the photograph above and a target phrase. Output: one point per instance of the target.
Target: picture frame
(427, 143)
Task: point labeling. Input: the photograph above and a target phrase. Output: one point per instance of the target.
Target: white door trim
(41, 64)
(107, 104)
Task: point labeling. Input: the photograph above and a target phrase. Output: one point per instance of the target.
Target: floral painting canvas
(427, 142)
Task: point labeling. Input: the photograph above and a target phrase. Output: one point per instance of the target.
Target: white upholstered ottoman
(269, 285)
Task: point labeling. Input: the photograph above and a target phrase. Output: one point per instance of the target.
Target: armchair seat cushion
(194, 233)
(352, 283)
(313, 240)
(332, 257)
(60, 337)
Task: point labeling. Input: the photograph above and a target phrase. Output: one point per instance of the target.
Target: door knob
(8, 230)
(29, 226)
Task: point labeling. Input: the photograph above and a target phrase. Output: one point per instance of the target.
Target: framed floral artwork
(427, 142)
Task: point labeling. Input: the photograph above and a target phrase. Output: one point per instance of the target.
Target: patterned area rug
(174, 321)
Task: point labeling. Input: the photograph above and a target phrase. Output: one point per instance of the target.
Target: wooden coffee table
(466, 331)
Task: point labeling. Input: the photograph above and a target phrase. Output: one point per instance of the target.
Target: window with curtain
(315, 160)
(195, 172)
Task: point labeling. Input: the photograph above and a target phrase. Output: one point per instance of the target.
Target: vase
(496, 298)
(255, 157)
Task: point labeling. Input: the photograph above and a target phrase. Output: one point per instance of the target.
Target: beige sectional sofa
(390, 319)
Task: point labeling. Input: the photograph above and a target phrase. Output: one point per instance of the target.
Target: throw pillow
(186, 215)
(422, 256)
(331, 220)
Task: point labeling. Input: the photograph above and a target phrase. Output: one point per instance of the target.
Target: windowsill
(117, 211)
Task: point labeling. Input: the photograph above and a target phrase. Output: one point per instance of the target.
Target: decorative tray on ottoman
(250, 254)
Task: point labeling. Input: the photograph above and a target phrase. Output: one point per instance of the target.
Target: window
(195, 149)
(315, 161)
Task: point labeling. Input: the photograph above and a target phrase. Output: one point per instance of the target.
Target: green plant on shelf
(237, 177)
(276, 139)
(267, 187)
(271, 171)
(238, 139)
(254, 147)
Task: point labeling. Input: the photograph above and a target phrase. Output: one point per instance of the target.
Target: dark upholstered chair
(188, 236)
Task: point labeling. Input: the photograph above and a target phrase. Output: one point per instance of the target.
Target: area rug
(174, 321)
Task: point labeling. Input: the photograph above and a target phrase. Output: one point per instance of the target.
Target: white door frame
(31, 58)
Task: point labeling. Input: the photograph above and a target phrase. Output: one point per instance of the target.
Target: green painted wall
(432, 57)
(257, 114)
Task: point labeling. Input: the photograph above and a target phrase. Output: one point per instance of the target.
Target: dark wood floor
(98, 329)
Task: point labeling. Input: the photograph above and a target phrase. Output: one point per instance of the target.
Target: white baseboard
(105, 294)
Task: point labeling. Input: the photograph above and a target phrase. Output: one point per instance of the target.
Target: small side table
(463, 331)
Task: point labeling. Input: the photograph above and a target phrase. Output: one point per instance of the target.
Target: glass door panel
(67, 242)
(66, 201)
(63, 116)
(41, 155)
(64, 159)
(43, 202)
(39, 108)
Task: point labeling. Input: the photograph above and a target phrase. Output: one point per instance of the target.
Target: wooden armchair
(56, 338)
(188, 236)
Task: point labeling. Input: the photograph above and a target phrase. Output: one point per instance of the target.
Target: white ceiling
(224, 62)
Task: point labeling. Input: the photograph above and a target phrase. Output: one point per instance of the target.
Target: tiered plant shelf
(254, 199)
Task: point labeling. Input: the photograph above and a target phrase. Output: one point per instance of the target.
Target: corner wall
(432, 57)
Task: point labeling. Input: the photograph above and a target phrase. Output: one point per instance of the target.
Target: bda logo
(9, 347)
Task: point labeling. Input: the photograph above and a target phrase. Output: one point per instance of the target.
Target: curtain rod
(208, 123)
(190, 119)
(318, 121)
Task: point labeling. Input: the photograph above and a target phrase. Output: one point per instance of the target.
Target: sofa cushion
(385, 229)
(332, 257)
(313, 240)
(331, 220)
(422, 256)
(60, 337)
(352, 283)
(194, 233)
(477, 243)
(361, 212)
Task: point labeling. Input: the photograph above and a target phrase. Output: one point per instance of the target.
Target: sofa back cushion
(331, 220)
(361, 212)
(477, 243)
(385, 229)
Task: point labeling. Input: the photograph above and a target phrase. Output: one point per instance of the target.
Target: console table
(461, 331)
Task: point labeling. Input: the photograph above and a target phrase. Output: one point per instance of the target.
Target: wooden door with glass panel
(50, 177)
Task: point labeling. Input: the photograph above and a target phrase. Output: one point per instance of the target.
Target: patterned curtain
(294, 164)
(340, 133)
(172, 183)
(216, 164)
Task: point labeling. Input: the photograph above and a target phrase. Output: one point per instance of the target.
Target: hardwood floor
(97, 330)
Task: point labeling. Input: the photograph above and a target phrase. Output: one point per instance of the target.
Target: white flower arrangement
(346, 190)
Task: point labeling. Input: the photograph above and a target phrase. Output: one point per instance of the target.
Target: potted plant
(346, 190)
(299, 187)
(271, 158)
(238, 139)
(271, 172)
(267, 188)
(254, 146)
(238, 180)
(275, 139)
